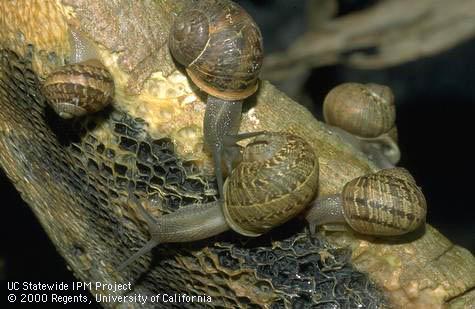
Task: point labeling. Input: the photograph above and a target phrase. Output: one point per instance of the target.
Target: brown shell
(384, 203)
(363, 110)
(221, 47)
(78, 89)
(276, 180)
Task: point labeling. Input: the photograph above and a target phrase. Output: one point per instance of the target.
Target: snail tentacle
(152, 243)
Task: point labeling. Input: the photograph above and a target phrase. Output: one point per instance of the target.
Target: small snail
(276, 180)
(368, 113)
(220, 46)
(384, 203)
(82, 87)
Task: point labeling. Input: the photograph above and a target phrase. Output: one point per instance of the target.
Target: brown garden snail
(384, 203)
(276, 180)
(81, 87)
(368, 113)
(220, 46)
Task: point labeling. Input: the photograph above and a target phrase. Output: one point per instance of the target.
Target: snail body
(220, 46)
(368, 113)
(385, 203)
(276, 180)
(81, 87)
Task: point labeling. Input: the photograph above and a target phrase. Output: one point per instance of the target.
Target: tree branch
(387, 34)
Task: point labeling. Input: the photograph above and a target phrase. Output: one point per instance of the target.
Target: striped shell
(75, 90)
(276, 180)
(363, 110)
(221, 47)
(384, 203)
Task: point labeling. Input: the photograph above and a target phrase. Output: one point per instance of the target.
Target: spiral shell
(384, 203)
(276, 180)
(75, 90)
(221, 47)
(363, 110)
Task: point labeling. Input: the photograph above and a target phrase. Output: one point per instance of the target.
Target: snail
(220, 46)
(275, 181)
(385, 203)
(368, 114)
(81, 87)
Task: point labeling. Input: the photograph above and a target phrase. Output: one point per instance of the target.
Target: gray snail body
(385, 203)
(365, 115)
(221, 48)
(84, 86)
(275, 181)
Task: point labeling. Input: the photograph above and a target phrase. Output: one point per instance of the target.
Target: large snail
(276, 180)
(84, 86)
(220, 46)
(367, 112)
(385, 203)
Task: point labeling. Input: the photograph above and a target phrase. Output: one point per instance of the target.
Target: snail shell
(384, 203)
(221, 47)
(276, 180)
(82, 87)
(77, 89)
(363, 110)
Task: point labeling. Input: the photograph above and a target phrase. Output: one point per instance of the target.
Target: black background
(435, 118)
